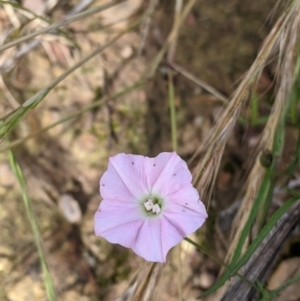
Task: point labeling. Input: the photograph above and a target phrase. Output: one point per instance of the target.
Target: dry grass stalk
(200, 82)
(207, 157)
(171, 37)
(145, 27)
(173, 44)
(147, 282)
(287, 41)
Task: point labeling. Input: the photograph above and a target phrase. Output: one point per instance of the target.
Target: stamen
(156, 209)
(149, 205)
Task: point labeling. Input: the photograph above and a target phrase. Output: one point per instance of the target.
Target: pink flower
(149, 204)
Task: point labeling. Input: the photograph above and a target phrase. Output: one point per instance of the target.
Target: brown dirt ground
(217, 43)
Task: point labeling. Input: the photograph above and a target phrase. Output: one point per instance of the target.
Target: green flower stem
(50, 289)
(217, 260)
(286, 284)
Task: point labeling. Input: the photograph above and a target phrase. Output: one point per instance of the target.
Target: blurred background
(83, 80)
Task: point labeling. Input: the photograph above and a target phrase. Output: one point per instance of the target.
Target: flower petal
(157, 236)
(167, 173)
(118, 222)
(131, 179)
(188, 198)
(184, 213)
(184, 219)
(171, 235)
(149, 243)
(125, 178)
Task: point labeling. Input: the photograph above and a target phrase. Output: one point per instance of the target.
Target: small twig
(10, 98)
(128, 292)
(50, 5)
(74, 115)
(173, 44)
(23, 50)
(199, 82)
(12, 16)
(145, 27)
(172, 110)
(80, 7)
(170, 38)
(109, 110)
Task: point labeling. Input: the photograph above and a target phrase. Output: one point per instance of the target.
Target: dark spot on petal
(103, 184)
(154, 164)
(186, 203)
(132, 163)
(174, 174)
(183, 210)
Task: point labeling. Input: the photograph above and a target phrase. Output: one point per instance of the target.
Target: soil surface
(217, 43)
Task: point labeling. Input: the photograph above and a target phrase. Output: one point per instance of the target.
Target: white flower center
(155, 208)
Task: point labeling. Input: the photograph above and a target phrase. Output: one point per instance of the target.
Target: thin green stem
(286, 284)
(50, 289)
(217, 260)
(90, 107)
